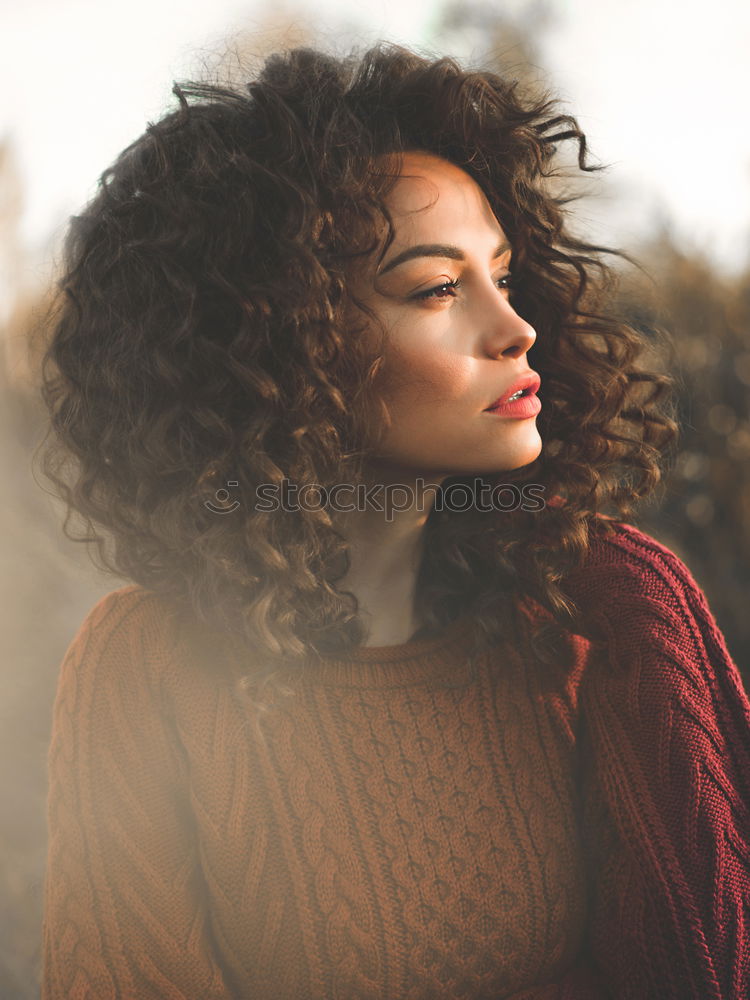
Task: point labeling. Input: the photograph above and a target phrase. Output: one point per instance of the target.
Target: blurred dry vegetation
(48, 584)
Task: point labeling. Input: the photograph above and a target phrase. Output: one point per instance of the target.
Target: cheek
(417, 375)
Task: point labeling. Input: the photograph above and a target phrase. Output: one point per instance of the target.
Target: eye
(506, 282)
(443, 291)
(448, 288)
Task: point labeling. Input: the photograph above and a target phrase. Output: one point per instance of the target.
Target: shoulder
(124, 638)
(628, 576)
(662, 638)
(625, 553)
(125, 615)
(641, 599)
(130, 603)
(113, 735)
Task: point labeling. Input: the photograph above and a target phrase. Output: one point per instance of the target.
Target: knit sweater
(411, 822)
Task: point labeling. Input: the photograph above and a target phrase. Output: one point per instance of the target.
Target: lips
(529, 382)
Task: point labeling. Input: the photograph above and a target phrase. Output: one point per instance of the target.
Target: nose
(505, 333)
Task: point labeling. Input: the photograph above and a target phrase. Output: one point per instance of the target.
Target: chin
(517, 458)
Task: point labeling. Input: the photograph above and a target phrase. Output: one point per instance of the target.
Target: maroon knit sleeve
(123, 914)
(665, 764)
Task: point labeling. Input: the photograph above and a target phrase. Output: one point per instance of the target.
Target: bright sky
(660, 87)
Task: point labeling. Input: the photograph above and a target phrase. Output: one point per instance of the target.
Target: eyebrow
(434, 250)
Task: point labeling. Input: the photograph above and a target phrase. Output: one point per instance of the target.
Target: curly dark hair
(202, 334)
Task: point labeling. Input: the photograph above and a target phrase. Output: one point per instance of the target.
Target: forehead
(432, 192)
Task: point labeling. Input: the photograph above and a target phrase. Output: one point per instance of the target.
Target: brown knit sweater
(408, 823)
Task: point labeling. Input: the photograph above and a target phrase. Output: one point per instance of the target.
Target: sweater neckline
(411, 649)
(444, 658)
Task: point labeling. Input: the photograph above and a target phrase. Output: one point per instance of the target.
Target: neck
(386, 548)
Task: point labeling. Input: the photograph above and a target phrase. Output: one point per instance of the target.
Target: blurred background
(659, 87)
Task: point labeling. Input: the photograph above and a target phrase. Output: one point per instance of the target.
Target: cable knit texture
(414, 823)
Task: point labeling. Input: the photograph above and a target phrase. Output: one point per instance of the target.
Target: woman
(391, 708)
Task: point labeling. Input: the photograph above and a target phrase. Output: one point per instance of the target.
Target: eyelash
(430, 292)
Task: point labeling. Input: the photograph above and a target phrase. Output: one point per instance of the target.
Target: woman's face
(451, 351)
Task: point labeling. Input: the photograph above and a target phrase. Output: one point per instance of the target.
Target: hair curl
(203, 334)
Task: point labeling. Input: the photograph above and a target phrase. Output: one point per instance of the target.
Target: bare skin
(385, 559)
(449, 355)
